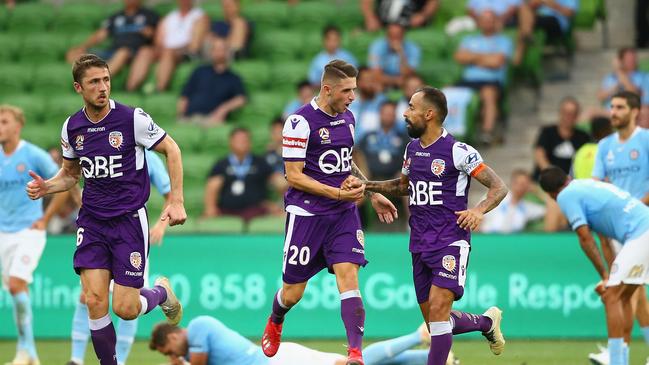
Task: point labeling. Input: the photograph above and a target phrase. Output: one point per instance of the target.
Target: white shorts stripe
(287, 240)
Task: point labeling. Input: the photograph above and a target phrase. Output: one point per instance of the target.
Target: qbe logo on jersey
(332, 161)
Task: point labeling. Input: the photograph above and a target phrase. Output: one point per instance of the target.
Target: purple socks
(353, 315)
(103, 337)
(441, 339)
(151, 298)
(463, 322)
(279, 309)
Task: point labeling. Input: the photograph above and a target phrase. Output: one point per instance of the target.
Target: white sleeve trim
(295, 137)
(466, 158)
(147, 132)
(405, 168)
(66, 148)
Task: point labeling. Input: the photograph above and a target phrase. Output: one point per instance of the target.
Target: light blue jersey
(625, 165)
(481, 44)
(222, 345)
(564, 22)
(17, 211)
(157, 173)
(382, 56)
(321, 59)
(605, 208)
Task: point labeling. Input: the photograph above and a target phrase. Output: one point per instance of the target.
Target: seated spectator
(553, 17)
(305, 93)
(212, 91)
(626, 77)
(331, 44)
(181, 34)
(457, 101)
(584, 161)
(556, 144)
(380, 152)
(238, 183)
(131, 33)
(410, 85)
(506, 10)
(514, 212)
(407, 13)
(485, 57)
(274, 149)
(234, 27)
(393, 57)
(367, 104)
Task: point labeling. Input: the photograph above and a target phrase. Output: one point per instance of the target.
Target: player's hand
(417, 20)
(175, 213)
(39, 225)
(351, 195)
(351, 182)
(157, 232)
(469, 219)
(384, 208)
(37, 188)
(600, 288)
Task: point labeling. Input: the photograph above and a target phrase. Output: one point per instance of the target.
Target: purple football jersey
(111, 155)
(324, 143)
(440, 175)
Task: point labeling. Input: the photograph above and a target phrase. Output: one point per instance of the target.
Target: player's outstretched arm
(300, 181)
(175, 209)
(65, 179)
(394, 187)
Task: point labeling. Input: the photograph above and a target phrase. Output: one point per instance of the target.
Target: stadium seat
(189, 137)
(190, 225)
(181, 75)
(307, 16)
(587, 14)
(267, 15)
(82, 17)
(11, 44)
(643, 65)
(134, 100)
(440, 73)
(60, 107)
(44, 135)
(278, 45)
(194, 196)
(311, 43)
(359, 44)
(255, 74)
(287, 74)
(15, 78)
(224, 224)
(216, 142)
(448, 10)
(33, 107)
(44, 48)
(348, 15)
(433, 42)
(52, 79)
(161, 107)
(30, 18)
(267, 224)
(197, 167)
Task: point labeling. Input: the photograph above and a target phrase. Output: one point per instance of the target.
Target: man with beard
(623, 160)
(436, 174)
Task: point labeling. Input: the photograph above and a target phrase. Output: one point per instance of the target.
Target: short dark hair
(278, 120)
(552, 179)
(435, 97)
(600, 127)
(338, 70)
(330, 28)
(160, 333)
(236, 130)
(302, 83)
(632, 99)
(85, 62)
(572, 100)
(623, 50)
(388, 102)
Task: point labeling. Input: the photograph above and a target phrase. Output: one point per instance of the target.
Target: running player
(22, 235)
(623, 159)
(125, 329)
(323, 228)
(105, 141)
(207, 341)
(612, 212)
(436, 174)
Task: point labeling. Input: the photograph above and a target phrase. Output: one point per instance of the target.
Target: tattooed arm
(384, 208)
(394, 187)
(359, 174)
(471, 218)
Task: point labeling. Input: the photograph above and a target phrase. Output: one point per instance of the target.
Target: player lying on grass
(207, 341)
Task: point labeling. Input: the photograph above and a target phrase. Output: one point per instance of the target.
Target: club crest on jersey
(634, 154)
(20, 167)
(360, 236)
(78, 141)
(136, 260)
(324, 135)
(438, 166)
(115, 139)
(448, 262)
(65, 144)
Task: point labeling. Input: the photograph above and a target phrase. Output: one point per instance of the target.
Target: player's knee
(438, 309)
(95, 301)
(16, 286)
(126, 311)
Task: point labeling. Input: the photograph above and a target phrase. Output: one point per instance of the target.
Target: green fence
(543, 283)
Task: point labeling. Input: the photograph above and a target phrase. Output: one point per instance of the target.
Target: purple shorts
(315, 242)
(444, 268)
(119, 245)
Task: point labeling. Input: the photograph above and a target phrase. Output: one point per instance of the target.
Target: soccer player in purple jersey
(105, 141)
(323, 228)
(436, 174)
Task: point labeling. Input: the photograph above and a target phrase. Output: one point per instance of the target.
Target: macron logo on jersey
(295, 122)
(292, 142)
